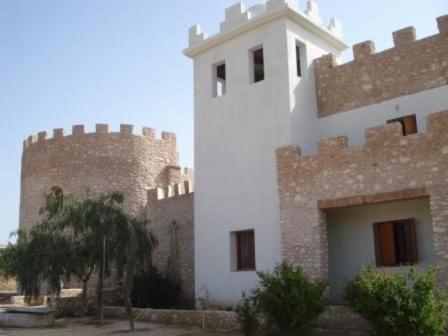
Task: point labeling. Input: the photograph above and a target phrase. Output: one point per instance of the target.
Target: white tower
(254, 92)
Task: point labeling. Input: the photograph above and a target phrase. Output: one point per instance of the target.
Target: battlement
(377, 138)
(101, 130)
(375, 77)
(237, 16)
(178, 189)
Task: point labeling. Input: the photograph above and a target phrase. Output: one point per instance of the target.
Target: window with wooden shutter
(395, 243)
(245, 250)
(408, 124)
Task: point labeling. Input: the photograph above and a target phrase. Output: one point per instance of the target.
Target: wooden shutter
(384, 244)
(409, 125)
(245, 250)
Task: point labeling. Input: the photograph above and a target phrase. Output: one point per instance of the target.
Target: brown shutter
(409, 125)
(384, 244)
(245, 250)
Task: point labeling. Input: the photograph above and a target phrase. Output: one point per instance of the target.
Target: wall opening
(351, 239)
(408, 124)
(300, 58)
(395, 243)
(219, 79)
(257, 64)
(57, 192)
(242, 249)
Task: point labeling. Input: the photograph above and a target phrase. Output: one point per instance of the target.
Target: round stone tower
(101, 161)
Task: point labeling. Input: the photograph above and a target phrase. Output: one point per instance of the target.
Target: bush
(247, 314)
(399, 303)
(287, 301)
(152, 290)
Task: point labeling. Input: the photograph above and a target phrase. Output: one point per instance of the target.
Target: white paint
(353, 123)
(236, 135)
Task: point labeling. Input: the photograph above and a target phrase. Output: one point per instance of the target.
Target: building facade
(269, 79)
(297, 158)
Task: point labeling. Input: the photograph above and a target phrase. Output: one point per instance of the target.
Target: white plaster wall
(307, 128)
(351, 241)
(235, 138)
(302, 90)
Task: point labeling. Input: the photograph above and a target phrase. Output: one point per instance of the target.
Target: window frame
(216, 79)
(300, 53)
(239, 267)
(252, 64)
(412, 258)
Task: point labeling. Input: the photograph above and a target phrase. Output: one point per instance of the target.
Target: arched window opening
(57, 192)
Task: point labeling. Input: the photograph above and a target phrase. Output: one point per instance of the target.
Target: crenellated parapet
(101, 130)
(102, 161)
(410, 66)
(389, 167)
(238, 17)
(379, 138)
(155, 195)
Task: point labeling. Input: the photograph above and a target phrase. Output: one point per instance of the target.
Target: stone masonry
(411, 66)
(170, 211)
(387, 167)
(106, 161)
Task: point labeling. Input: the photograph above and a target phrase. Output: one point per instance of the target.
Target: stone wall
(208, 319)
(102, 161)
(387, 167)
(411, 66)
(171, 212)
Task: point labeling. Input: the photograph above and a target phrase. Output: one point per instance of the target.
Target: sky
(66, 62)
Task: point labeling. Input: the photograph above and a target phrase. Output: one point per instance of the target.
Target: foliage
(288, 302)
(69, 241)
(153, 290)
(247, 314)
(399, 303)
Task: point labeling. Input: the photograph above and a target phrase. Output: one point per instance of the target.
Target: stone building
(283, 169)
(297, 158)
(104, 161)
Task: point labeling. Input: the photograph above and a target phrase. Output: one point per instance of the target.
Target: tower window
(298, 61)
(395, 243)
(219, 79)
(408, 124)
(257, 64)
(244, 250)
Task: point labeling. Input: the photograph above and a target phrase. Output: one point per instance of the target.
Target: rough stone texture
(388, 167)
(101, 161)
(175, 204)
(104, 161)
(208, 319)
(411, 66)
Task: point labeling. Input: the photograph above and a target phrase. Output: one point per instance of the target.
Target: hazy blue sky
(64, 62)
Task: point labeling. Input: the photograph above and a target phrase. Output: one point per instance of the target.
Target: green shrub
(400, 303)
(287, 301)
(247, 314)
(152, 290)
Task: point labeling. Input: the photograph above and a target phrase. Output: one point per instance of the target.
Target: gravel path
(88, 327)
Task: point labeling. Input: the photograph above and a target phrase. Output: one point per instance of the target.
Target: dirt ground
(88, 327)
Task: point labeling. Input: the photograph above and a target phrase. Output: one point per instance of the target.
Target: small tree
(69, 242)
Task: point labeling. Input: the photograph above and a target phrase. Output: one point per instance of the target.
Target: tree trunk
(99, 290)
(129, 280)
(85, 307)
